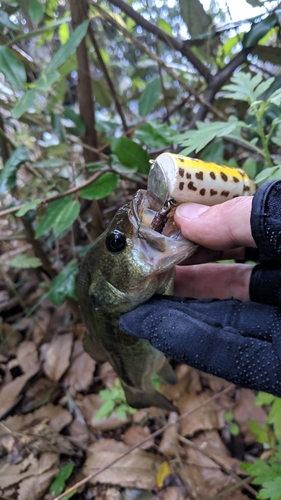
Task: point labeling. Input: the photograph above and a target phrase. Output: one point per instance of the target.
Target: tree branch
(161, 35)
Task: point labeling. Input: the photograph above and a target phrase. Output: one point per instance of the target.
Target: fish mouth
(154, 223)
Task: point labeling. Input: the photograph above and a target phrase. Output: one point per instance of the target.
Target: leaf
(131, 154)
(258, 30)
(6, 22)
(165, 26)
(244, 87)
(163, 471)
(9, 171)
(269, 174)
(56, 355)
(24, 261)
(64, 285)
(63, 32)
(12, 68)
(263, 398)
(274, 417)
(150, 97)
(68, 48)
(58, 485)
(36, 11)
(195, 17)
(46, 80)
(76, 119)
(105, 410)
(267, 53)
(24, 104)
(59, 216)
(29, 206)
(100, 188)
(271, 489)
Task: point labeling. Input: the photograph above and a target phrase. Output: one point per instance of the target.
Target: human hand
(228, 338)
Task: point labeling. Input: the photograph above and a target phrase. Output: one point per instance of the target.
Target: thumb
(219, 227)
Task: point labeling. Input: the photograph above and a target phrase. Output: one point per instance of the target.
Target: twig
(242, 483)
(223, 467)
(148, 438)
(107, 77)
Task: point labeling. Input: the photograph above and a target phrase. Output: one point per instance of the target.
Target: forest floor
(50, 440)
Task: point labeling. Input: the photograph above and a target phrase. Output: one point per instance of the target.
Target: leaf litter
(49, 396)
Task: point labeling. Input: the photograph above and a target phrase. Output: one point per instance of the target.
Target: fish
(135, 258)
(127, 265)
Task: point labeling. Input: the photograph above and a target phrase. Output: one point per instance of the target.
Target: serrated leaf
(24, 104)
(245, 87)
(36, 11)
(105, 410)
(263, 398)
(67, 216)
(150, 96)
(24, 261)
(12, 68)
(130, 154)
(9, 171)
(29, 206)
(100, 188)
(64, 285)
(271, 489)
(258, 30)
(59, 216)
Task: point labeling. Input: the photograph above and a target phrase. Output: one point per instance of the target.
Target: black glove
(240, 342)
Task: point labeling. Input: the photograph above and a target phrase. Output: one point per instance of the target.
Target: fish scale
(130, 262)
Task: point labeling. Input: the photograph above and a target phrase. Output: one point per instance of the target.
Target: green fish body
(127, 265)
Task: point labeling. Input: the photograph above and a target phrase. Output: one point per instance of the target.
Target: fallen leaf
(38, 485)
(56, 355)
(204, 418)
(89, 405)
(11, 474)
(58, 417)
(134, 435)
(27, 355)
(11, 393)
(163, 471)
(171, 493)
(244, 410)
(169, 443)
(136, 470)
(79, 434)
(81, 371)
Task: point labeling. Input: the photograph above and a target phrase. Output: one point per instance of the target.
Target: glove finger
(265, 284)
(207, 345)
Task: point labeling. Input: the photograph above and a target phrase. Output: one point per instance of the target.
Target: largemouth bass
(127, 265)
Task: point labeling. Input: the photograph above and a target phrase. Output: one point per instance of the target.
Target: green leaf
(228, 417)
(6, 22)
(59, 216)
(46, 80)
(258, 30)
(50, 163)
(9, 171)
(234, 429)
(262, 433)
(76, 119)
(29, 206)
(58, 485)
(214, 152)
(245, 87)
(63, 32)
(24, 104)
(130, 154)
(105, 410)
(274, 417)
(36, 11)
(271, 489)
(150, 96)
(12, 68)
(195, 17)
(269, 174)
(68, 48)
(64, 285)
(24, 261)
(100, 188)
(164, 26)
(263, 398)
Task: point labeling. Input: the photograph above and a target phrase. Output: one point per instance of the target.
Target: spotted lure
(135, 258)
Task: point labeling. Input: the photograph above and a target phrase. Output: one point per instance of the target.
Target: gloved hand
(238, 341)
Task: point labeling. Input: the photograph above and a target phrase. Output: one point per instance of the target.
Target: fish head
(130, 262)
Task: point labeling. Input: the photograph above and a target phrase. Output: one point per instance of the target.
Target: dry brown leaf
(171, 493)
(135, 435)
(11, 392)
(79, 434)
(27, 355)
(89, 405)
(12, 474)
(136, 470)
(38, 485)
(81, 372)
(169, 443)
(57, 416)
(205, 418)
(246, 409)
(56, 355)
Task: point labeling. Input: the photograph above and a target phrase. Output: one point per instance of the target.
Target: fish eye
(115, 241)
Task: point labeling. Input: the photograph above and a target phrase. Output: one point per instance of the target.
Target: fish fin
(167, 373)
(141, 399)
(94, 349)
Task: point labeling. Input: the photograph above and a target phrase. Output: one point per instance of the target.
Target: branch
(161, 35)
(108, 79)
